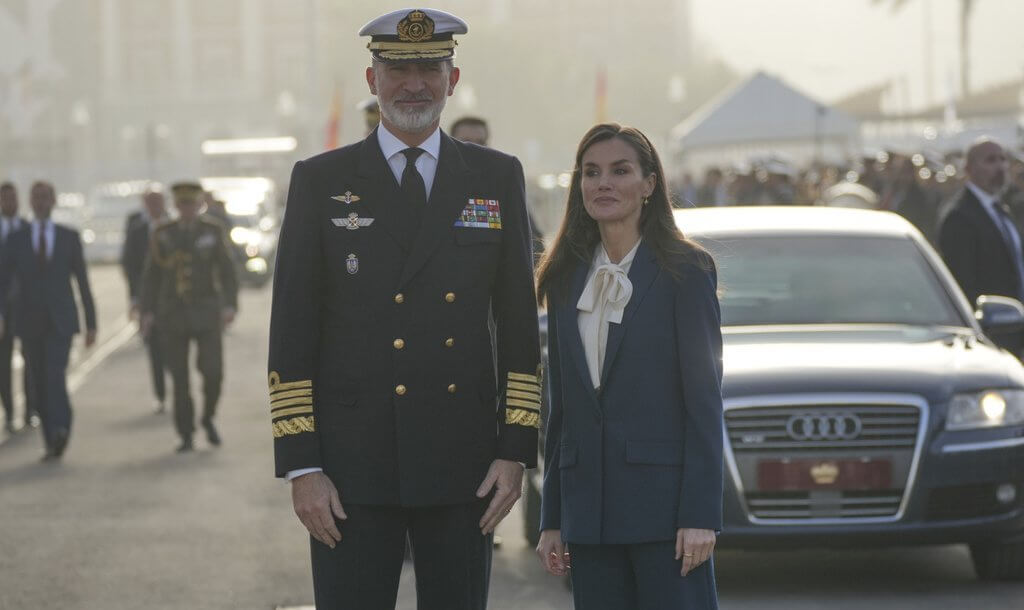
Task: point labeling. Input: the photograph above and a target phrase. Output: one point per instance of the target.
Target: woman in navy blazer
(633, 456)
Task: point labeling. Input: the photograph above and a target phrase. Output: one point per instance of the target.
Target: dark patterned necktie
(42, 245)
(413, 189)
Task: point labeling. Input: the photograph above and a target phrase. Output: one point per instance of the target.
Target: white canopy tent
(760, 117)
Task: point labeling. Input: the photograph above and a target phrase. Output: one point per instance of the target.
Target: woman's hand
(554, 554)
(693, 546)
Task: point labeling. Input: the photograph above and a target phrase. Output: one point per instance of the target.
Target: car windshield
(802, 279)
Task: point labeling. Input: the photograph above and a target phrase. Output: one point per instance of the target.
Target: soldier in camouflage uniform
(190, 291)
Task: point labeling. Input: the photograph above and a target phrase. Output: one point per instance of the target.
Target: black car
(865, 403)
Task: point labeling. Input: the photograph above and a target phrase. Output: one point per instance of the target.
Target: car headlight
(986, 410)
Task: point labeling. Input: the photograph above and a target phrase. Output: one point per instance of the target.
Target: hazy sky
(832, 47)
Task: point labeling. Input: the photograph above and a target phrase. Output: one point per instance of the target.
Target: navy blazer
(44, 302)
(642, 457)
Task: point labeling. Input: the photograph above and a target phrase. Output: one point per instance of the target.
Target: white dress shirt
(604, 299)
(426, 163)
(49, 232)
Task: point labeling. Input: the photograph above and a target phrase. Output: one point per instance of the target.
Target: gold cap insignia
(825, 473)
(416, 27)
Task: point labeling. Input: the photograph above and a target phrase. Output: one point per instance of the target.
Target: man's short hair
(7, 185)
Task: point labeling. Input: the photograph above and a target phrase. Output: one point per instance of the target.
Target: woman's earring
(645, 201)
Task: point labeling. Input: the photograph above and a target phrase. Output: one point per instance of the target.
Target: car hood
(931, 362)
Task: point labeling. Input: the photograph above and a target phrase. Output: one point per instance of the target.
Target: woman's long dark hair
(578, 235)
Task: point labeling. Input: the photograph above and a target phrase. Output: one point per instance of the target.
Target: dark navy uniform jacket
(382, 368)
(642, 457)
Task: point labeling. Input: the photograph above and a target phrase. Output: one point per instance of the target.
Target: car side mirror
(999, 315)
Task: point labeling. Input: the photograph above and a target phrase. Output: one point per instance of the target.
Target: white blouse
(604, 299)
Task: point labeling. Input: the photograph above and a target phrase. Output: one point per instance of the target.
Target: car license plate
(845, 474)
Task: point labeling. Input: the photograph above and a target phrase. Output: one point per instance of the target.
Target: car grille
(824, 504)
(764, 428)
(886, 432)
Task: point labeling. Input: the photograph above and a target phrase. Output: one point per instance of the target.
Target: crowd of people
(916, 185)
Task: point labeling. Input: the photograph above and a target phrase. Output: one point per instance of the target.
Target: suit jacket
(642, 457)
(12, 292)
(44, 302)
(133, 252)
(974, 250)
(382, 367)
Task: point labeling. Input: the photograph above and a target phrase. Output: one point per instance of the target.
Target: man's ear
(453, 79)
(371, 80)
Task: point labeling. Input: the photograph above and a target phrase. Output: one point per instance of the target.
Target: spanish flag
(334, 120)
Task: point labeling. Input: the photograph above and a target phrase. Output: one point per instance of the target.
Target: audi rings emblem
(824, 427)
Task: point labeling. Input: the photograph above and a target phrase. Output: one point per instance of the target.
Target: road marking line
(100, 353)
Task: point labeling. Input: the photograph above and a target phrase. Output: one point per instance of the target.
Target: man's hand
(554, 554)
(316, 502)
(694, 547)
(506, 478)
(90, 337)
(227, 316)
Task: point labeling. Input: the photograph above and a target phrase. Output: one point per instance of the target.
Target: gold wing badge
(347, 198)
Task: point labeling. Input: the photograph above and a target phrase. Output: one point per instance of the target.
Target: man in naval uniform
(393, 413)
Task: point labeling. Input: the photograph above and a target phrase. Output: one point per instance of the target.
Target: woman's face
(613, 183)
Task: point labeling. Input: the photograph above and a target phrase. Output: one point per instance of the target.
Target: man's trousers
(451, 557)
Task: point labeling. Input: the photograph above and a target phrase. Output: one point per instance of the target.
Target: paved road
(125, 523)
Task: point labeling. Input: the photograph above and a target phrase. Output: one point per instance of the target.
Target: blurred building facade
(109, 90)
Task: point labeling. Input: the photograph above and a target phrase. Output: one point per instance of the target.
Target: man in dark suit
(393, 412)
(42, 261)
(977, 236)
(138, 228)
(10, 223)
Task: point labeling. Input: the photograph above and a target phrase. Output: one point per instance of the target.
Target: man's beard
(411, 121)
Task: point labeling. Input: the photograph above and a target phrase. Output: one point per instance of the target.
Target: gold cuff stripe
(295, 425)
(529, 387)
(534, 396)
(291, 394)
(274, 381)
(291, 385)
(528, 419)
(290, 402)
(412, 46)
(292, 411)
(522, 377)
(522, 404)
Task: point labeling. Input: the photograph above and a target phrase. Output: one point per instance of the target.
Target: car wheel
(998, 561)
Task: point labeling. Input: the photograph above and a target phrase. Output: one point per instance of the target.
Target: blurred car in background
(252, 223)
(101, 216)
